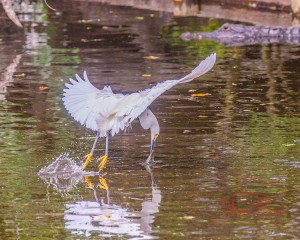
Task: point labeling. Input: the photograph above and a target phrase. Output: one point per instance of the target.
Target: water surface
(242, 136)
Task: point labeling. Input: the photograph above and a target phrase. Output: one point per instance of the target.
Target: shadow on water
(233, 131)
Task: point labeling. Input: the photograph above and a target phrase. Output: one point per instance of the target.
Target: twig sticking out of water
(11, 12)
(49, 6)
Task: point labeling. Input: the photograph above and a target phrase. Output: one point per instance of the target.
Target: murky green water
(240, 141)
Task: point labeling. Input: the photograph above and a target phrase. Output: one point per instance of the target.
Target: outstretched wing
(102, 110)
(140, 101)
(82, 99)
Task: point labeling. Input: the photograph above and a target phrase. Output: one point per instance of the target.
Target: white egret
(107, 113)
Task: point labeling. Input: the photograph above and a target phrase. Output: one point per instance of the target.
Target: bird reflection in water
(100, 217)
(101, 184)
(103, 219)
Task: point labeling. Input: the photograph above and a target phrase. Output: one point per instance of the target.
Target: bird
(107, 113)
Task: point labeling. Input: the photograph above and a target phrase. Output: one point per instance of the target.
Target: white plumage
(102, 110)
(106, 112)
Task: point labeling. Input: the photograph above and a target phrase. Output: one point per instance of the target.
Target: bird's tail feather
(201, 69)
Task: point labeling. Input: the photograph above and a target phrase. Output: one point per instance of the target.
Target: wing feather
(102, 110)
(143, 99)
(85, 102)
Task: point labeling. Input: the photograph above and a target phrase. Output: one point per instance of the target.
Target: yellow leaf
(140, 18)
(200, 94)
(43, 88)
(84, 21)
(146, 75)
(151, 57)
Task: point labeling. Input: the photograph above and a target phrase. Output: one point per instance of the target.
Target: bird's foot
(88, 182)
(88, 158)
(102, 161)
(103, 183)
(149, 159)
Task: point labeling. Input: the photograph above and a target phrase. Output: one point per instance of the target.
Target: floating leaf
(43, 87)
(146, 75)
(200, 94)
(20, 75)
(91, 40)
(84, 21)
(188, 217)
(151, 57)
(186, 131)
(192, 90)
(140, 18)
(289, 144)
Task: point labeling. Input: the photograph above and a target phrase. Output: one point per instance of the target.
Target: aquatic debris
(192, 90)
(84, 21)
(20, 75)
(147, 75)
(8, 8)
(200, 94)
(43, 87)
(49, 6)
(288, 144)
(150, 57)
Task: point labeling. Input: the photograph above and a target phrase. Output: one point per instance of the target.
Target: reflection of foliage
(268, 136)
(171, 36)
(47, 56)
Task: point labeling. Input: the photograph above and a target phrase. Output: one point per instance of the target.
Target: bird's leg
(102, 183)
(88, 182)
(89, 156)
(150, 156)
(103, 159)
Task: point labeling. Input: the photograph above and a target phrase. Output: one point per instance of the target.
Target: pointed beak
(152, 147)
(153, 142)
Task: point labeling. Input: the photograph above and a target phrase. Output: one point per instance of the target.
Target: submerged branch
(10, 12)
